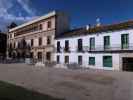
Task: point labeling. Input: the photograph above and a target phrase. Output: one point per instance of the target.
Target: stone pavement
(71, 84)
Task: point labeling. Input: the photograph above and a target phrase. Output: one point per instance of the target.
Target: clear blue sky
(81, 12)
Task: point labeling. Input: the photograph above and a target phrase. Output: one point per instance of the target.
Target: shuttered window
(124, 41)
(107, 61)
(92, 43)
(106, 42)
(91, 60)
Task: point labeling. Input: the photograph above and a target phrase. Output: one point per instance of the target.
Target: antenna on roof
(98, 22)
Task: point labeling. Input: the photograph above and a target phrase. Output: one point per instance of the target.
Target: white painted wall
(73, 57)
(115, 39)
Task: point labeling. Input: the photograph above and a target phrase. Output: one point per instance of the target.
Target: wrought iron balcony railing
(63, 49)
(97, 48)
(116, 47)
(67, 50)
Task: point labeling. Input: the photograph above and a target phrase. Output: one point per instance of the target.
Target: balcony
(80, 49)
(58, 50)
(67, 49)
(99, 48)
(113, 48)
(42, 46)
(63, 50)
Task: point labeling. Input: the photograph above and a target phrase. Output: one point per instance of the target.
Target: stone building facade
(38, 35)
(3, 39)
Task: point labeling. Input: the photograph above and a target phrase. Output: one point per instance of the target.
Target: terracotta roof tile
(93, 30)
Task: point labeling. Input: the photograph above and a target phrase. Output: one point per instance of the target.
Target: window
(92, 43)
(19, 45)
(80, 60)
(58, 46)
(39, 55)
(31, 55)
(10, 35)
(91, 60)
(40, 41)
(49, 24)
(14, 45)
(124, 41)
(48, 40)
(48, 56)
(58, 59)
(40, 26)
(106, 42)
(9, 45)
(107, 61)
(66, 59)
(66, 46)
(80, 45)
(32, 42)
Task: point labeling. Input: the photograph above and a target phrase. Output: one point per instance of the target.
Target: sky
(81, 12)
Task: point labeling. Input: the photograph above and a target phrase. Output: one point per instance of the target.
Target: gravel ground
(71, 84)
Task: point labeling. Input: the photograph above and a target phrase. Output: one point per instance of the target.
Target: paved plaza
(70, 84)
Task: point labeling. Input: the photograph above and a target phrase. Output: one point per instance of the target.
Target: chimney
(98, 23)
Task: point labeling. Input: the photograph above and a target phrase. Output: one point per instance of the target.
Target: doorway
(127, 64)
(48, 56)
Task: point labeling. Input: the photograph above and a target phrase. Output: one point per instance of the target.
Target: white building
(102, 47)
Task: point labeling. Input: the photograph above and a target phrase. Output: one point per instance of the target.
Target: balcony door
(48, 56)
(92, 43)
(66, 46)
(106, 42)
(58, 46)
(124, 41)
(80, 45)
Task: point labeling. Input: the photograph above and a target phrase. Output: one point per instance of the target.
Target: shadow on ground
(12, 92)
